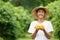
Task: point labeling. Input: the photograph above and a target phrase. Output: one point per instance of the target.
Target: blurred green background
(15, 18)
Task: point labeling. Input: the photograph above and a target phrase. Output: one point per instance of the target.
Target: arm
(33, 35)
(48, 34)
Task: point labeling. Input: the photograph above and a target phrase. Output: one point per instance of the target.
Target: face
(40, 14)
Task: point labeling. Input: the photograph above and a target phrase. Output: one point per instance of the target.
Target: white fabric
(40, 34)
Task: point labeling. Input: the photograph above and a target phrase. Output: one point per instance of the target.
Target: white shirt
(40, 34)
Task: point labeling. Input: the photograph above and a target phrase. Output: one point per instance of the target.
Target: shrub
(14, 21)
(55, 17)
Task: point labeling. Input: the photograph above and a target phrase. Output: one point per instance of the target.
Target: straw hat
(40, 7)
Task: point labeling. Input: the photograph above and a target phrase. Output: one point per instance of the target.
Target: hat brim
(34, 11)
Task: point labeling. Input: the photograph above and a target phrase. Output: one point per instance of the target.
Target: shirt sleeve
(49, 27)
(31, 28)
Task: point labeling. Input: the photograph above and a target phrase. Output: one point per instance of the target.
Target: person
(45, 32)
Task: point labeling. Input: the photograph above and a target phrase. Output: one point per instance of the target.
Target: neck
(40, 20)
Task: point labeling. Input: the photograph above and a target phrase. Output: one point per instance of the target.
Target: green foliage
(34, 2)
(5, 0)
(14, 21)
(6, 21)
(30, 3)
(23, 20)
(55, 16)
(1, 38)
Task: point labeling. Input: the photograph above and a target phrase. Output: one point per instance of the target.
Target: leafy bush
(23, 20)
(14, 21)
(55, 16)
(1, 38)
(6, 21)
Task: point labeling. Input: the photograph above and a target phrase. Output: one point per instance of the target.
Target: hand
(40, 29)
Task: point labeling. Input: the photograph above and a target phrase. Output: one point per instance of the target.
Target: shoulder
(49, 24)
(34, 21)
(46, 21)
